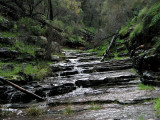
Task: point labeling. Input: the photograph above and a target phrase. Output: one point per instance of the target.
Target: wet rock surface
(82, 82)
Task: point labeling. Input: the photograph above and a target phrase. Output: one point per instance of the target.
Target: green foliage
(68, 111)
(75, 40)
(69, 29)
(147, 17)
(27, 21)
(1, 18)
(40, 71)
(154, 10)
(142, 13)
(37, 29)
(91, 29)
(137, 30)
(145, 87)
(155, 20)
(57, 23)
(157, 106)
(6, 73)
(101, 49)
(34, 111)
(32, 26)
(125, 29)
(155, 46)
(23, 48)
(10, 34)
(15, 26)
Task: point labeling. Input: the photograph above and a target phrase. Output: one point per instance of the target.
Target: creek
(82, 83)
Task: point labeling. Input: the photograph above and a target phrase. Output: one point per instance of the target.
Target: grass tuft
(157, 106)
(68, 111)
(34, 111)
(145, 87)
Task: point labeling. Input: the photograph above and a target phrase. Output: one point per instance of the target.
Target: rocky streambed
(83, 88)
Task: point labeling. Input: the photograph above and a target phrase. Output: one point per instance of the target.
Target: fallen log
(109, 47)
(22, 89)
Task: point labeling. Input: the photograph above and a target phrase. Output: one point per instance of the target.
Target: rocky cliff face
(142, 37)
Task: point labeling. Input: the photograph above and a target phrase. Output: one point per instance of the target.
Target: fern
(142, 13)
(154, 10)
(155, 20)
(137, 30)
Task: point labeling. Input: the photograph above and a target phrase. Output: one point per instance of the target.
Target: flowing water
(91, 90)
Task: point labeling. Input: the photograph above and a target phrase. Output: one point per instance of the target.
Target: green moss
(146, 87)
(101, 49)
(157, 106)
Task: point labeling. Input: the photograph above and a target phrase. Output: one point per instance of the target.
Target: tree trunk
(50, 9)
